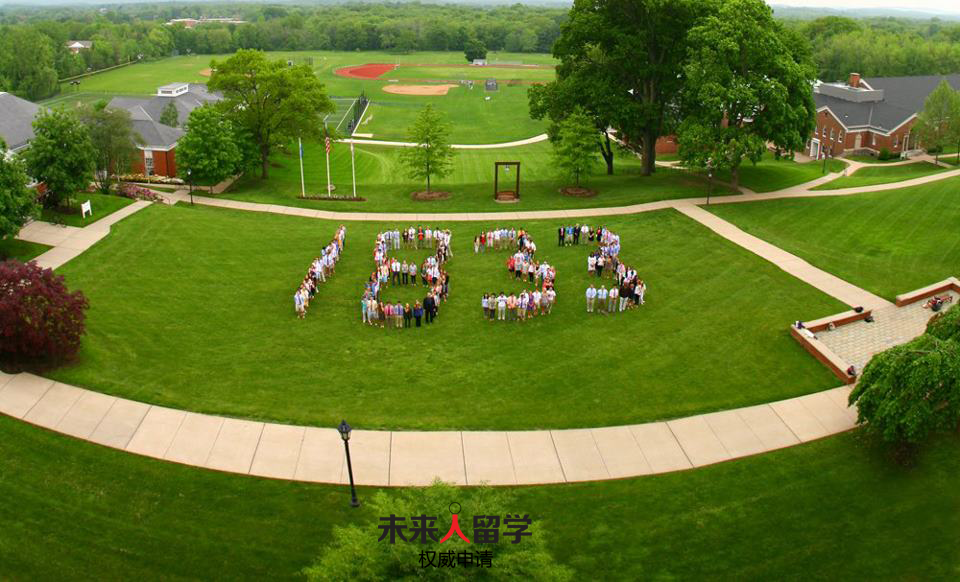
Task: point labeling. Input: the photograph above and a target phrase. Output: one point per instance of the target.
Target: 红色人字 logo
(486, 530)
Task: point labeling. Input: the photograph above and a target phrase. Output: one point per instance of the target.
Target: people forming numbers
(321, 268)
(375, 310)
(626, 289)
(522, 265)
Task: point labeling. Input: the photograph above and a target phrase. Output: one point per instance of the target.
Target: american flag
(328, 144)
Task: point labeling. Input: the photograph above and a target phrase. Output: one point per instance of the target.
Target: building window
(832, 133)
(148, 165)
(896, 141)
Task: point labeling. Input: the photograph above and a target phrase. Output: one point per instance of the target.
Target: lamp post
(190, 181)
(344, 430)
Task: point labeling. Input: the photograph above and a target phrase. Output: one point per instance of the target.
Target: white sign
(86, 209)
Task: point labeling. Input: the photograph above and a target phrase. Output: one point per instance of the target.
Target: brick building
(158, 141)
(869, 115)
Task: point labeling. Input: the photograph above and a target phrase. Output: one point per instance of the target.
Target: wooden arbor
(505, 195)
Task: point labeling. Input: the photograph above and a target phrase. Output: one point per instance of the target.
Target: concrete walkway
(456, 146)
(792, 264)
(70, 241)
(399, 458)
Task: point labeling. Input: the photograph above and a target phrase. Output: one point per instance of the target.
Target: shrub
(945, 325)
(884, 155)
(934, 150)
(138, 193)
(41, 322)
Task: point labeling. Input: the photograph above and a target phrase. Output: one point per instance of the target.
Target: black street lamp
(190, 181)
(344, 430)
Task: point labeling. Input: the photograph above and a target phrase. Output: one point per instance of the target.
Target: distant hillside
(809, 13)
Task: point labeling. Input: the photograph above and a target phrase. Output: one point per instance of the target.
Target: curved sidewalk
(456, 146)
(402, 458)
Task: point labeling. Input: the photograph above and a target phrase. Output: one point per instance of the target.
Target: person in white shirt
(591, 264)
(591, 298)
(502, 307)
(612, 303)
(602, 294)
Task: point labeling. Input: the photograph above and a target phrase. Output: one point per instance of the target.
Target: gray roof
(902, 98)
(83, 43)
(153, 133)
(152, 107)
(16, 120)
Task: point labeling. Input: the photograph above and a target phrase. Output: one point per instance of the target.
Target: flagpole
(303, 189)
(329, 188)
(353, 170)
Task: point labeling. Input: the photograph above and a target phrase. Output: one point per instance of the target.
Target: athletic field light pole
(353, 170)
(327, 145)
(303, 190)
(344, 430)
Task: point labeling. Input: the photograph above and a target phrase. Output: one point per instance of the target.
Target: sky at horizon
(951, 6)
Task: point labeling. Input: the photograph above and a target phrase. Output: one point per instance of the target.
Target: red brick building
(158, 143)
(870, 115)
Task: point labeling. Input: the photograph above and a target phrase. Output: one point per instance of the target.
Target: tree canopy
(113, 139)
(432, 156)
(209, 151)
(938, 124)
(60, 155)
(274, 102)
(745, 87)
(17, 202)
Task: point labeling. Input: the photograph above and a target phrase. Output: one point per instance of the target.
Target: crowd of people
(522, 264)
(374, 310)
(322, 267)
(626, 289)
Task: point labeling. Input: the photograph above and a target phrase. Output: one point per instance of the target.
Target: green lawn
(882, 175)
(504, 118)
(832, 509)
(224, 338)
(872, 159)
(770, 174)
(102, 204)
(887, 242)
(382, 181)
(11, 248)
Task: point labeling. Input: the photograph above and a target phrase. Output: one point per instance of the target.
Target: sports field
(503, 118)
(227, 279)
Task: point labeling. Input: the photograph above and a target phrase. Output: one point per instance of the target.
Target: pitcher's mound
(419, 89)
(206, 73)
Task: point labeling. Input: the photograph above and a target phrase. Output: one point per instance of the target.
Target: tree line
(33, 53)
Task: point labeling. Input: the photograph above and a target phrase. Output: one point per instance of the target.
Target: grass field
(887, 242)
(504, 118)
(224, 338)
(872, 159)
(882, 175)
(11, 248)
(102, 205)
(382, 181)
(76, 511)
(770, 174)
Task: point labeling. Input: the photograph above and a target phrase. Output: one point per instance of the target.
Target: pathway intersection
(400, 458)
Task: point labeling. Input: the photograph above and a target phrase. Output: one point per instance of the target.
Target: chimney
(854, 80)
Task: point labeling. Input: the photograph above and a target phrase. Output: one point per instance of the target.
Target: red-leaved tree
(41, 321)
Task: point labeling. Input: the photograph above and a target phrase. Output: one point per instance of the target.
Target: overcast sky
(926, 5)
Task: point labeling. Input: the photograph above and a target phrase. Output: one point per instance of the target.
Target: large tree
(432, 154)
(114, 141)
(27, 63)
(938, 124)
(911, 391)
(629, 54)
(576, 87)
(60, 155)
(209, 151)
(747, 85)
(17, 202)
(274, 102)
